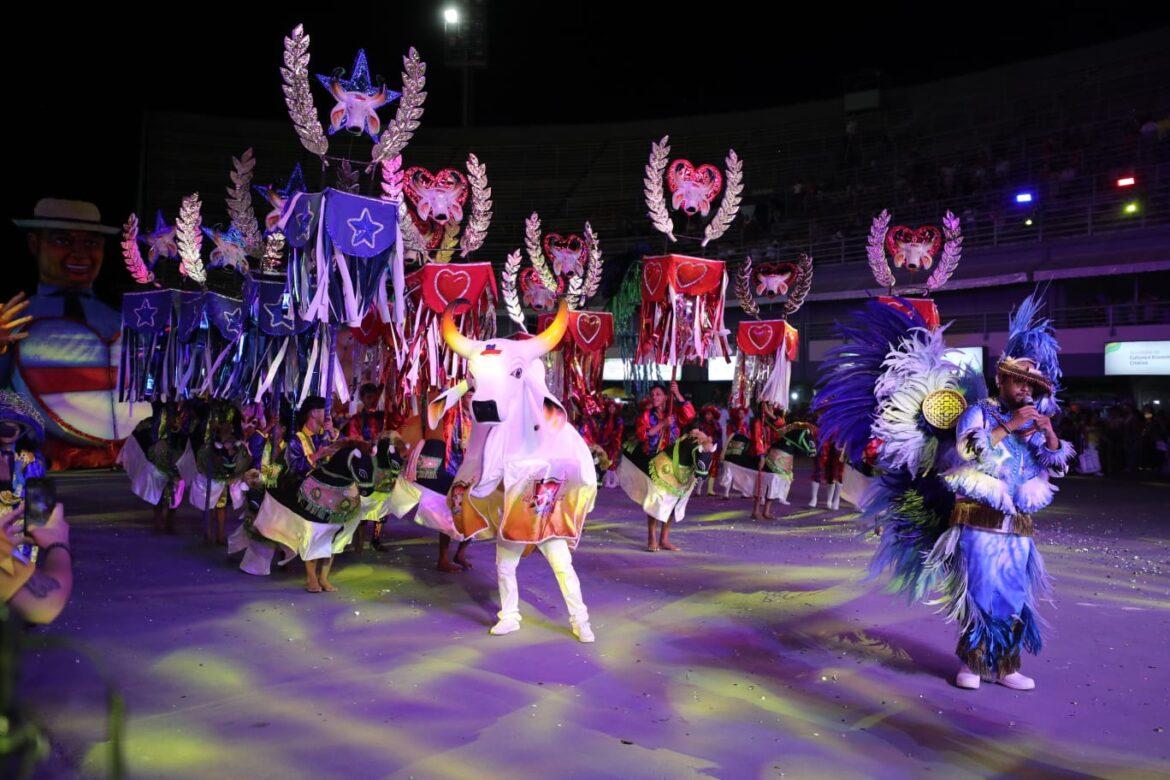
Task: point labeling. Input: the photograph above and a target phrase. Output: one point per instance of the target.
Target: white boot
(583, 632)
(505, 626)
(967, 679)
(1017, 682)
(816, 488)
(834, 496)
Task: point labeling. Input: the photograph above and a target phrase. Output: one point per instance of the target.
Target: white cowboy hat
(67, 215)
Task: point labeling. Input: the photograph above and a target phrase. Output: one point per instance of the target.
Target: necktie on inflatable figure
(682, 297)
(914, 250)
(567, 266)
(768, 347)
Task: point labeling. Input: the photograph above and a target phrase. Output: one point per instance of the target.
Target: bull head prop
(503, 373)
(526, 475)
(693, 190)
(914, 249)
(576, 268)
(435, 220)
(357, 101)
(768, 347)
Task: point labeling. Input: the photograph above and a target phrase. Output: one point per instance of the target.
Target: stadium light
(1028, 222)
(451, 15)
(794, 395)
(1126, 181)
(1023, 197)
(1131, 207)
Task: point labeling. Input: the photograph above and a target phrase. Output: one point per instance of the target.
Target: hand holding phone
(40, 496)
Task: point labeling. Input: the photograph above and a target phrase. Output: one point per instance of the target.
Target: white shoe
(812, 504)
(506, 626)
(967, 679)
(583, 633)
(1017, 682)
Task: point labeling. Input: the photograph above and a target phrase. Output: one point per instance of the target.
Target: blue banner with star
(303, 219)
(359, 226)
(226, 314)
(146, 312)
(275, 313)
(190, 314)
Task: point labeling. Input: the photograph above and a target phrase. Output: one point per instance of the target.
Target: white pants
(556, 552)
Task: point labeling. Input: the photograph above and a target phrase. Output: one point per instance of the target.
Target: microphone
(1030, 424)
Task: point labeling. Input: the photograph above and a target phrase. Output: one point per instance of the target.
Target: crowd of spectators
(1122, 440)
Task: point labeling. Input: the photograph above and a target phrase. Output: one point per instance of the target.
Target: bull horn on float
(548, 338)
(459, 344)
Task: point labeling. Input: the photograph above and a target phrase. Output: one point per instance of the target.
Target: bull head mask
(503, 372)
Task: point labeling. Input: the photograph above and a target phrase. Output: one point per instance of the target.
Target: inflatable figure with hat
(67, 364)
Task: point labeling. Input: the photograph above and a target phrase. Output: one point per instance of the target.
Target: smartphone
(40, 496)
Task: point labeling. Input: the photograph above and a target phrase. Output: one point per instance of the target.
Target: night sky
(80, 81)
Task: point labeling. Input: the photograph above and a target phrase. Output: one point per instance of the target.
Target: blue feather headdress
(1031, 352)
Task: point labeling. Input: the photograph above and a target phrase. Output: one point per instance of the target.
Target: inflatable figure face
(914, 249)
(692, 189)
(70, 259)
(437, 197)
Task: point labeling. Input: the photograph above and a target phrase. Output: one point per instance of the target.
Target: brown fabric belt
(976, 515)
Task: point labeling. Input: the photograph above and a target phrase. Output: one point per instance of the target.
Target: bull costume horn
(552, 335)
(459, 344)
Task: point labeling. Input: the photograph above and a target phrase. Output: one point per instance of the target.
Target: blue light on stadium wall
(1023, 197)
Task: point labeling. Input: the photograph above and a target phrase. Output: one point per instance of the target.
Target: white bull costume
(527, 476)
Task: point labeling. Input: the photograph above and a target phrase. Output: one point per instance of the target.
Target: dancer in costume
(828, 470)
(657, 429)
(658, 426)
(955, 476)
(709, 423)
(226, 459)
(316, 432)
(527, 476)
(22, 431)
(662, 484)
(368, 425)
(315, 516)
(760, 466)
(1007, 452)
(164, 455)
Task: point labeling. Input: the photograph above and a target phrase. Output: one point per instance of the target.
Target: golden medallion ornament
(942, 408)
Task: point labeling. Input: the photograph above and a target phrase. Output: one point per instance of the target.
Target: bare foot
(652, 547)
(328, 587)
(462, 562)
(670, 546)
(312, 587)
(448, 567)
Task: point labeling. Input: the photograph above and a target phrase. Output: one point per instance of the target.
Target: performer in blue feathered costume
(954, 474)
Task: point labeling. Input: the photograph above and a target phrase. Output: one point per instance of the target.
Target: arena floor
(756, 652)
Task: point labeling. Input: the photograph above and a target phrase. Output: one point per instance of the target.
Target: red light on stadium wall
(1126, 181)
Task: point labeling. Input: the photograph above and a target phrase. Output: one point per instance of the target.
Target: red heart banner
(765, 338)
(924, 306)
(588, 331)
(653, 277)
(443, 283)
